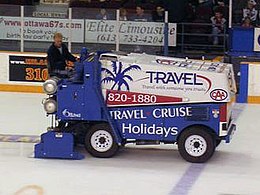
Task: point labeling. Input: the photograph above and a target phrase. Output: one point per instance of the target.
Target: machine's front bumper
(230, 132)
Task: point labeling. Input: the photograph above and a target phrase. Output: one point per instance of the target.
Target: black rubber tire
(200, 132)
(109, 138)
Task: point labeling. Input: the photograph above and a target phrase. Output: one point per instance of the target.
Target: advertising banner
(161, 122)
(41, 29)
(143, 83)
(27, 68)
(96, 31)
(130, 32)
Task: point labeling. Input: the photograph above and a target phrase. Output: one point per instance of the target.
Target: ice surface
(233, 170)
(22, 113)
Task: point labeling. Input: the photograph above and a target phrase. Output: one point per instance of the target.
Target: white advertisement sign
(132, 33)
(257, 39)
(138, 84)
(40, 29)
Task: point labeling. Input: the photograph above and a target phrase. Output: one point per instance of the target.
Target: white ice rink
(233, 170)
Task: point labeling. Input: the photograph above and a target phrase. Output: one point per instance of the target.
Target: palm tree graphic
(118, 75)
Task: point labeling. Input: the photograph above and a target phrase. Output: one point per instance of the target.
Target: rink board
(21, 88)
(249, 83)
(22, 71)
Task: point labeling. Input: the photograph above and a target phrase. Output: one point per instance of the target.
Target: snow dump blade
(55, 144)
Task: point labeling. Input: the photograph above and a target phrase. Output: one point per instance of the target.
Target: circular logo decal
(218, 94)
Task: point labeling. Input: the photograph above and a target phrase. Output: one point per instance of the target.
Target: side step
(56, 145)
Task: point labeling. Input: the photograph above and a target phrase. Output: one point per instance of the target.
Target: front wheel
(100, 141)
(196, 145)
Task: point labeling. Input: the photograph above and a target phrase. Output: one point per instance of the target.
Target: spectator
(158, 14)
(247, 23)
(140, 16)
(123, 14)
(218, 25)
(103, 15)
(222, 7)
(250, 11)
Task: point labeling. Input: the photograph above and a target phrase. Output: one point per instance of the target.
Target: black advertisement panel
(27, 68)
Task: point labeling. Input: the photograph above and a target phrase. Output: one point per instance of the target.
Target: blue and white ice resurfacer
(112, 99)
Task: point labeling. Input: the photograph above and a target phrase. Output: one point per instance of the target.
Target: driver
(58, 57)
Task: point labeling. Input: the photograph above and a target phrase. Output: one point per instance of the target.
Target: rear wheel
(100, 141)
(196, 145)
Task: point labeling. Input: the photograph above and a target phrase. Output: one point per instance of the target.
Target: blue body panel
(163, 122)
(81, 101)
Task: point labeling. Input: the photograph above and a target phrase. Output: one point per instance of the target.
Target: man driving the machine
(59, 57)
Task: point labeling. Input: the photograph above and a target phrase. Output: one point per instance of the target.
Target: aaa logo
(218, 94)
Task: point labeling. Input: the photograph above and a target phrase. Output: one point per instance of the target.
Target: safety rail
(199, 37)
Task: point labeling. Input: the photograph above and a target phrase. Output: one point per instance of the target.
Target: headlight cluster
(50, 105)
(50, 86)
